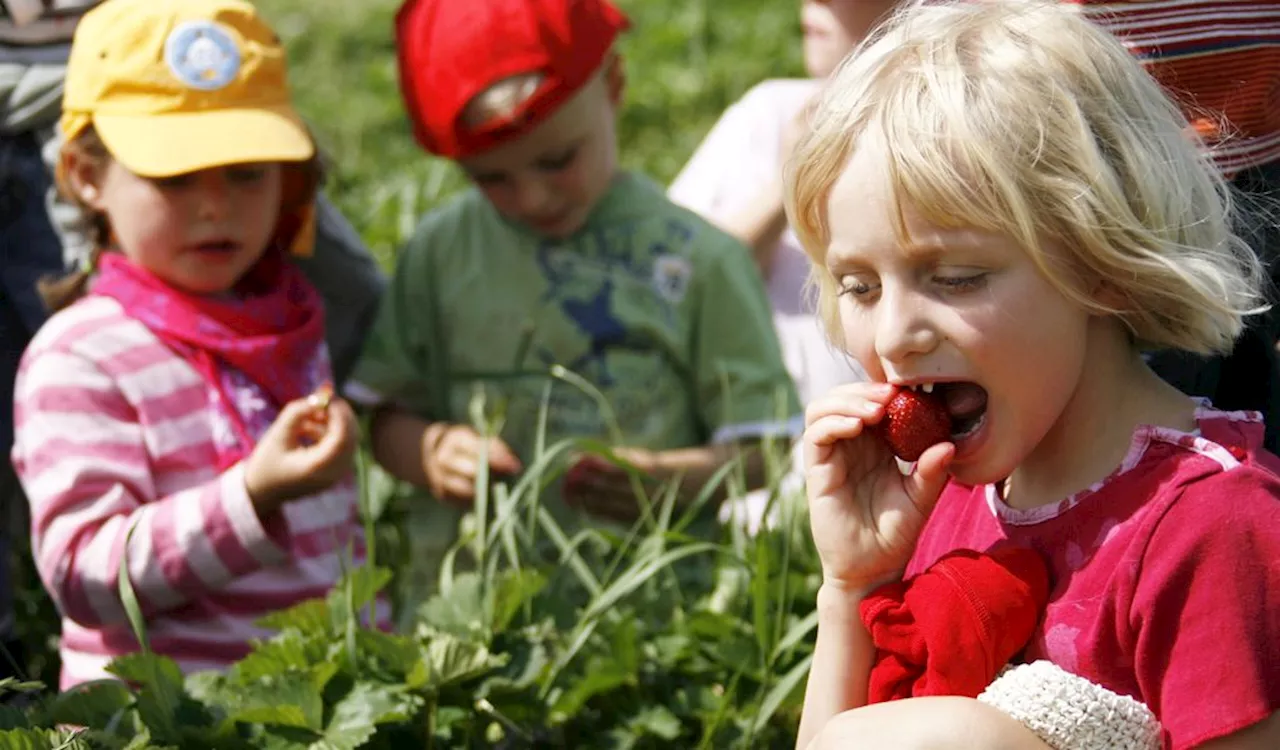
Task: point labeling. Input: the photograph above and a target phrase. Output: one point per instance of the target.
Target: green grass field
(686, 60)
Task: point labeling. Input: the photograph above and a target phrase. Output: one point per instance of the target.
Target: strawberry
(913, 422)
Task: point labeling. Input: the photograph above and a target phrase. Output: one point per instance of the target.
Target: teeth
(904, 467)
(927, 387)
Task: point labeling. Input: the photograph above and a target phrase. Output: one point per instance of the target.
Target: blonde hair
(1025, 119)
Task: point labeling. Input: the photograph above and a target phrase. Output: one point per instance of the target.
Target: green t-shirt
(661, 312)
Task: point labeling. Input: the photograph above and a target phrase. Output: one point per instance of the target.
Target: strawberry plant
(649, 636)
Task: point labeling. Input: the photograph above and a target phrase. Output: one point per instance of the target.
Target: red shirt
(1165, 576)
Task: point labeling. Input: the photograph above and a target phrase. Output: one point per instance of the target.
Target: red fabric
(1166, 587)
(450, 51)
(949, 630)
(269, 330)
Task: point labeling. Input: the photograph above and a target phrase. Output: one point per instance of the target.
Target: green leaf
(780, 692)
(528, 663)
(761, 596)
(513, 590)
(658, 721)
(161, 692)
(357, 715)
(90, 704)
(357, 589)
(149, 670)
(310, 617)
(13, 718)
(460, 611)
(292, 650)
(396, 653)
(637, 575)
(291, 699)
(446, 660)
(41, 739)
(796, 633)
(128, 597)
(600, 676)
(625, 645)
(14, 685)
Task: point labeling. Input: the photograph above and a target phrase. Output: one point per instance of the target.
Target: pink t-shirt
(1165, 575)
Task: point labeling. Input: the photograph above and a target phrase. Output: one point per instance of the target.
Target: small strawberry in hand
(913, 422)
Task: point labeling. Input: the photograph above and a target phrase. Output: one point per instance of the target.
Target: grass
(686, 60)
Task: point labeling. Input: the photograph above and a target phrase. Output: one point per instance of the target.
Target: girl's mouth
(218, 247)
(967, 405)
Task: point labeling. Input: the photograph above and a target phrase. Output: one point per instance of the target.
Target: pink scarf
(270, 330)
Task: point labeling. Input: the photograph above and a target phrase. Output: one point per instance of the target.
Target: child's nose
(902, 325)
(214, 195)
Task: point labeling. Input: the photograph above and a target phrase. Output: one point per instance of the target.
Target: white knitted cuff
(1068, 712)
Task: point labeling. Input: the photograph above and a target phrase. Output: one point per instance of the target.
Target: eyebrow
(914, 252)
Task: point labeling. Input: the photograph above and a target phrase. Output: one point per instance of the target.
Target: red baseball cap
(450, 51)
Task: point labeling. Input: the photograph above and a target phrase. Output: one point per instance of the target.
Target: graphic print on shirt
(609, 314)
(583, 279)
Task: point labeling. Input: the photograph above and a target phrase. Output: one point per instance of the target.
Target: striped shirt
(115, 432)
(1220, 60)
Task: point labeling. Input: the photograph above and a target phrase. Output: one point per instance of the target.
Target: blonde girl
(1001, 206)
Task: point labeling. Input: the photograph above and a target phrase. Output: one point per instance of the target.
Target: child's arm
(865, 517)
(439, 456)
(95, 505)
(842, 658)
(936, 723)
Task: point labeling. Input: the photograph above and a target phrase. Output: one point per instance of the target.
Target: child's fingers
(862, 400)
(453, 486)
(925, 484)
(821, 436)
(502, 458)
(337, 440)
(826, 478)
(289, 421)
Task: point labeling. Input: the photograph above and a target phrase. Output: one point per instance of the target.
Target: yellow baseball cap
(176, 86)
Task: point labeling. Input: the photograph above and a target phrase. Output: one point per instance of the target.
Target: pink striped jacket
(114, 431)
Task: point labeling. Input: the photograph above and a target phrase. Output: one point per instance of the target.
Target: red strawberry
(913, 422)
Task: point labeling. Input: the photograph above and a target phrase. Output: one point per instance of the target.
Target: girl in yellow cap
(173, 418)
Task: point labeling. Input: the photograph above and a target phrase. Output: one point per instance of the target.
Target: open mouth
(966, 404)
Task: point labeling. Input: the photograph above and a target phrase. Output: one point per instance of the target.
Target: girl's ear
(82, 177)
(1107, 295)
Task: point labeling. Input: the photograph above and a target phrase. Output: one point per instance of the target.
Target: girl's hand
(307, 449)
(866, 516)
(451, 459)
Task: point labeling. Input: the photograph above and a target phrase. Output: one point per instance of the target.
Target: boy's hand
(605, 489)
(865, 515)
(451, 458)
(307, 449)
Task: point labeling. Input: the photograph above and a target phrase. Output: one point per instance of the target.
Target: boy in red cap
(557, 257)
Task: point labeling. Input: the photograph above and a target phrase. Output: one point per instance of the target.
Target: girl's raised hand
(866, 516)
(307, 449)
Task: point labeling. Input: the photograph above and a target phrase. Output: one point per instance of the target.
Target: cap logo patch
(203, 55)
